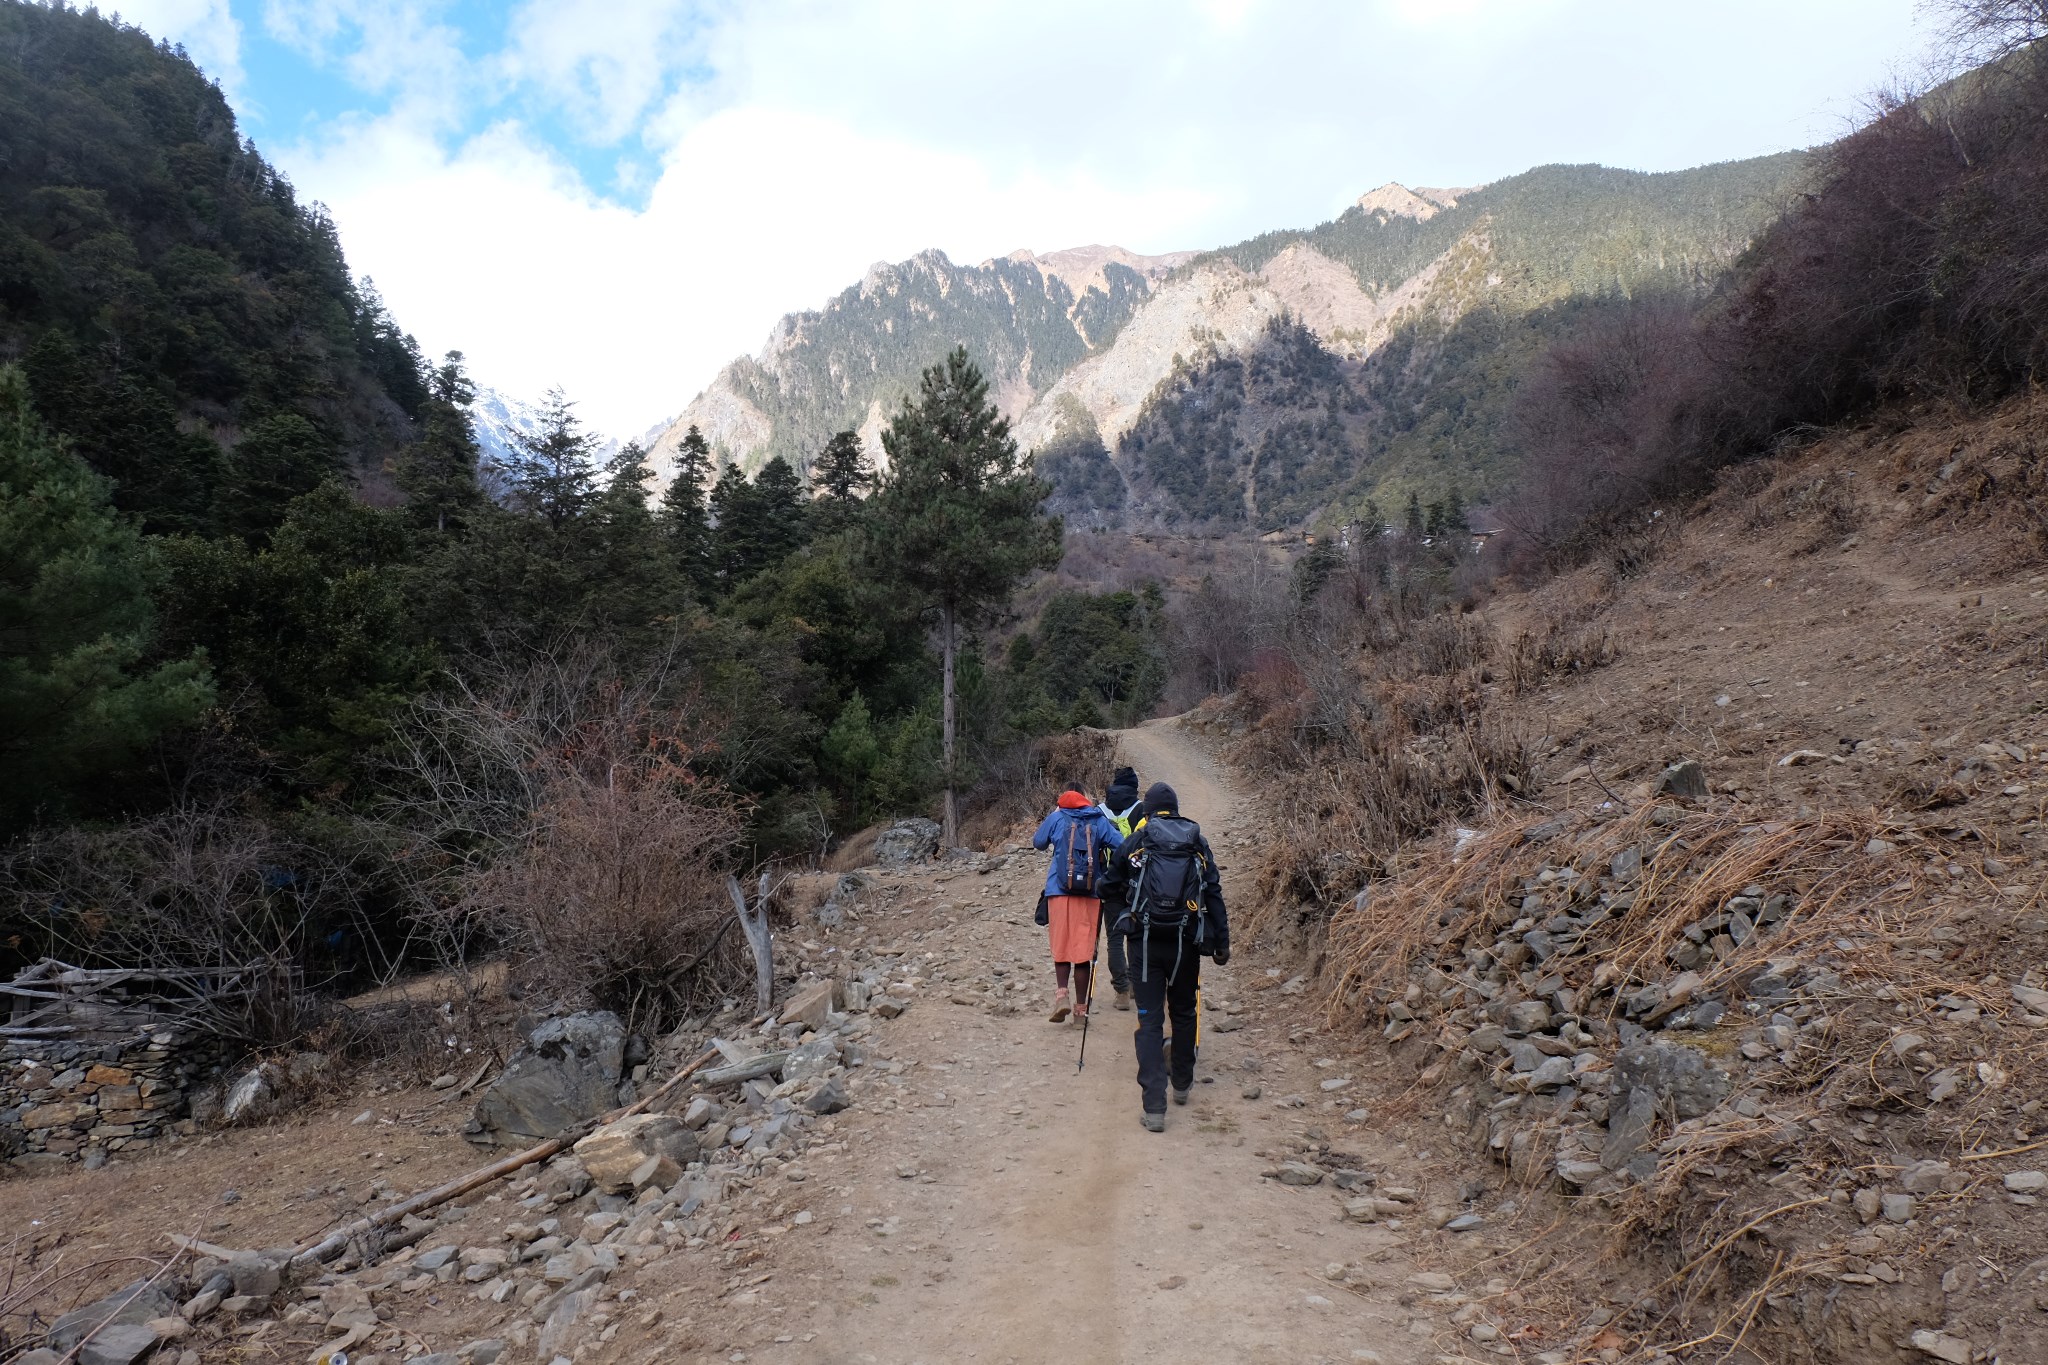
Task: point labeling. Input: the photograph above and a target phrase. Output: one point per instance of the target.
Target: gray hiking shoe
(1180, 1097)
(1154, 1123)
(1123, 1000)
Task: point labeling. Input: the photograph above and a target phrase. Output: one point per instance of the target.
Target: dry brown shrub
(1346, 801)
(201, 886)
(1085, 757)
(855, 850)
(562, 820)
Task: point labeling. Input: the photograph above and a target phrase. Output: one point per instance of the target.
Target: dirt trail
(1039, 1222)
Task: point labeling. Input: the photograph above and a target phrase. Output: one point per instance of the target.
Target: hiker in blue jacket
(1081, 838)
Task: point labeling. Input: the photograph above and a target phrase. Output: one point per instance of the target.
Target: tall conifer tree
(956, 521)
(77, 699)
(438, 471)
(685, 521)
(551, 469)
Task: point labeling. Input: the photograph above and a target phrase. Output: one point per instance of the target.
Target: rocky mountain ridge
(1101, 331)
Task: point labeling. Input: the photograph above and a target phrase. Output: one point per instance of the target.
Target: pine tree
(550, 471)
(956, 521)
(76, 698)
(842, 473)
(1435, 522)
(732, 517)
(1412, 520)
(280, 458)
(437, 473)
(780, 504)
(1454, 511)
(685, 523)
(638, 578)
(759, 524)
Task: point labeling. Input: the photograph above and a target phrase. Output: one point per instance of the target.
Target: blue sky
(620, 195)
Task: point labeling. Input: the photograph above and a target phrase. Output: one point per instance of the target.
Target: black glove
(1223, 956)
(1041, 917)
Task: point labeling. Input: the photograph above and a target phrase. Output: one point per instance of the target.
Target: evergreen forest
(284, 677)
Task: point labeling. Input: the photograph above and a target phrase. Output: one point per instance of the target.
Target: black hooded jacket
(1115, 887)
(1123, 791)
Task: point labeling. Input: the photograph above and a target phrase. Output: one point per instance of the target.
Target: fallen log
(322, 1249)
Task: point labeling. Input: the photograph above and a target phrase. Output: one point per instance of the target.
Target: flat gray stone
(118, 1344)
(130, 1306)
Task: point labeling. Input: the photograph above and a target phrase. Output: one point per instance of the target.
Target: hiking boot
(1123, 999)
(1080, 1007)
(1180, 1097)
(1154, 1123)
(1060, 1008)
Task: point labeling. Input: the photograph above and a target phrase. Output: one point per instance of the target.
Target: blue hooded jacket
(1052, 834)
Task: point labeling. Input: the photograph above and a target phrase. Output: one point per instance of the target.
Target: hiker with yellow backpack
(1164, 894)
(1120, 804)
(1081, 837)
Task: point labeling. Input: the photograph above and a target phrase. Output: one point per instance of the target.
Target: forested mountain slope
(187, 322)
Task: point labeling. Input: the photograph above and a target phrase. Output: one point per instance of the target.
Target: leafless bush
(198, 886)
(1975, 31)
(1370, 717)
(1216, 633)
(1027, 787)
(1607, 426)
(561, 819)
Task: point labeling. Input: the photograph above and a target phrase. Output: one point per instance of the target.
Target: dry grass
(1884, 918)
(1694, 861)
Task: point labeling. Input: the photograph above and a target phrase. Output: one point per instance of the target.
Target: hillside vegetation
(847, 365)
(285, 676)
(182, 317)
(1425, 412)
(1687, 881)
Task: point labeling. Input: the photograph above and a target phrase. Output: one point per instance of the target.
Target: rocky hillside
(1734, 984)
(1026, 319)
(1433, 289)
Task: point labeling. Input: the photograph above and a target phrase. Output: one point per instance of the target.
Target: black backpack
(1172, 876)
(1081, 868)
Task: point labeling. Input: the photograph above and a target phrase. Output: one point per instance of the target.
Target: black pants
(1119, 969)
(1167, 989)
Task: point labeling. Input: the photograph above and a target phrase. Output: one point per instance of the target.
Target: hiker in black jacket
(1165, 895)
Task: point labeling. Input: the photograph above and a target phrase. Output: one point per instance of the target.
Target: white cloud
(394, 48)
(498, 251)
(799, 140)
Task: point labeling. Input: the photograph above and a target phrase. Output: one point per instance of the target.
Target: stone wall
(64, 1101)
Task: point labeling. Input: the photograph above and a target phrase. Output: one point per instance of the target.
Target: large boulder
(811, 1004)
(915, 840)
(845, 892)
(569, 1071)
(617, 1152)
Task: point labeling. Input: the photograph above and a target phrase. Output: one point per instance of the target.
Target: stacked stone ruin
(63, 1101)
(95, 1062)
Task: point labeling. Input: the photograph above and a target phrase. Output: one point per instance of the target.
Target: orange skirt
(1072, 923)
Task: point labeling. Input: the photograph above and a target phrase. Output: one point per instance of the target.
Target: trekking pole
(1091, 1003)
